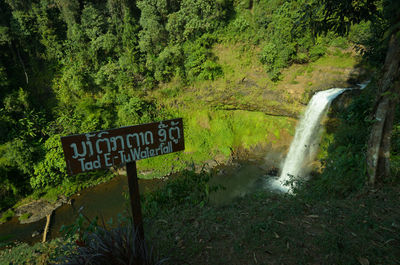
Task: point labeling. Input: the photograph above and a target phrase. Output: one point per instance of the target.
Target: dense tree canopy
(82, 65)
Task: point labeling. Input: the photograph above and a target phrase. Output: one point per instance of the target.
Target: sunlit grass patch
(210, 133)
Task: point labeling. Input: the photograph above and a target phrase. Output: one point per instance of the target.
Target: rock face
(37, 210)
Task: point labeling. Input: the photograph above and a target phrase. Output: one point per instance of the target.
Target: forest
(76, 66)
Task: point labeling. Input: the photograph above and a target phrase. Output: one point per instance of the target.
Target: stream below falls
(107, 200)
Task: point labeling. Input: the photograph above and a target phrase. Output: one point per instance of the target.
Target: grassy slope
(273, 229)
(246, 85)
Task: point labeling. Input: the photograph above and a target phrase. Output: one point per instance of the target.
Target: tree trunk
(378, 153)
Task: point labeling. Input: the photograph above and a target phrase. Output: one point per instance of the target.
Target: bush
(240, 24)
(276, 56)
(361, 33)
(25, 216)
(7, 215)
(211, 70)
(51, 170)
(301, 58)
(317, 51)
(25, 254)
(200, 62)
(89, 243)
(168, 62)
(340, 42)
(119, 245)
(134, 110)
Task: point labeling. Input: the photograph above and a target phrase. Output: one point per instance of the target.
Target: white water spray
(306, 139)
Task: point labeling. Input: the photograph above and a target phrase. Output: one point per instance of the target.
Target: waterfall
(306, 140)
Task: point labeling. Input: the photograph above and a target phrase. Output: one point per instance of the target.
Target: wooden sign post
(135, 197)
(125, 145)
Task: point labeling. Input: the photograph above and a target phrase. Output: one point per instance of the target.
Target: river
(107, 200)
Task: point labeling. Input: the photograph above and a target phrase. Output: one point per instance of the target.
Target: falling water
(305, 143)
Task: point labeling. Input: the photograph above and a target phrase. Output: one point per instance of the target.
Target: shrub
(51, 169)
(361, 33)
(301, 58)
(240, 24)
(317, 51)
(200, 62)
(25, 216)
(119, 245)
(7, 215)
(276, 56)
(340, 42)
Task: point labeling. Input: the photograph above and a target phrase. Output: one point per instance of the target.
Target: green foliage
(167, 63)
(22, 254)
(199, 61)
(285, 30)
(69, 67)
(7, 215)
(18, 154)
(281, 48)
(26, 254)
(195, 18)
(276, 57)
(25, 216)
(361, 33)
(102, 245)
(340, 42)
(317, 51)
(81, 227)
(51, 170)
(167, 27)
(133, 110)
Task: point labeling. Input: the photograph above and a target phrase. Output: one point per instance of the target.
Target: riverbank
(240, 174)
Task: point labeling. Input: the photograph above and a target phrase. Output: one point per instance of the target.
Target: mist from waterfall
(305, 144)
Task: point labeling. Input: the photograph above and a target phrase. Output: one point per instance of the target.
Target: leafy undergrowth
(38, 254)
(267, 228)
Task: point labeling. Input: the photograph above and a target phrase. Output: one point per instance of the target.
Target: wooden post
(46, 229)
(135, 199)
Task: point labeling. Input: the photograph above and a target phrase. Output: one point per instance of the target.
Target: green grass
(268, 228)
(210, 133)
(339, 60)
